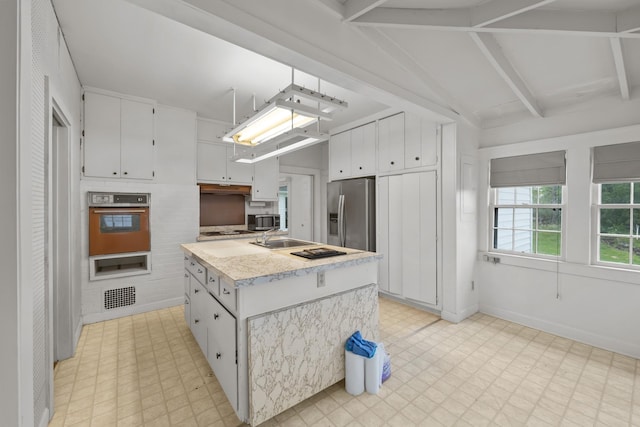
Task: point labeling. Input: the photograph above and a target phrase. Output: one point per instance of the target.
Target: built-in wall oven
(118, 223)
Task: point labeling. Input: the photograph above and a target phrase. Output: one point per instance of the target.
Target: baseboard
(408, 302)
(459, 317)
(128, 311)
(44, 419)
(626, 348)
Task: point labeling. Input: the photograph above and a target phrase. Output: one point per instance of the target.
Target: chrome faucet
(266, 236)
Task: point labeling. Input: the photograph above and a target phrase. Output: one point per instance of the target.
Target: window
(528, 220)
(618, 236)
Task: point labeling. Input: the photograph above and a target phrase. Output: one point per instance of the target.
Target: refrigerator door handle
(341, 229)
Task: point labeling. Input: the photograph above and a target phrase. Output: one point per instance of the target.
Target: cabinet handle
(186, 258)
(360, 167)
(225, 291)
(200, 270)
(218, 355)
(229, 178)
(186, 275)
(115, 173)
(417, 158)
(196, 321)
(340, 170)
(195, 291)
(211, 279)
(393, 163)
(193, 263)
(215, 316)
(186, 302)
(126, 173)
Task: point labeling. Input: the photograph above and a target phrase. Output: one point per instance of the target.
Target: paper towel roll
(373, 373)
(353, 373)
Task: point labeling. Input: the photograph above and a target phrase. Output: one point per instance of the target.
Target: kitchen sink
(282, 243)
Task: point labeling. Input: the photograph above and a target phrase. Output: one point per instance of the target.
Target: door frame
(316, 213)
(60, 235)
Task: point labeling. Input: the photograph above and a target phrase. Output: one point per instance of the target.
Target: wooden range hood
(243, 190)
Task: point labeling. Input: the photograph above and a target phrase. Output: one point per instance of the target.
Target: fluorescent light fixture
(308, 139)
(280, 115)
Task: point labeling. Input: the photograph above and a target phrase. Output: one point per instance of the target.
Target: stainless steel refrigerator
(351, 212)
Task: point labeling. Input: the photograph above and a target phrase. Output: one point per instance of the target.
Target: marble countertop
(245, 264)
(203, 238)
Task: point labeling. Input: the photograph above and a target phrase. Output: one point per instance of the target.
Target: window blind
(614, 163)
(531, 169)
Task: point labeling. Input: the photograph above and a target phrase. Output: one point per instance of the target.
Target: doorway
(296, 205)
(58, 177)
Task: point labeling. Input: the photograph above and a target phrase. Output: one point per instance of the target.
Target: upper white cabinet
(420, 144)
(340, 156)
(391, 143)
(353, 153)
(363, 150)
(214, 165)
(266, 177)
(118, 137)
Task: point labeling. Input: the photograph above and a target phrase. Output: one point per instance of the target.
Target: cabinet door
(199, 314)
(136, 143)
(382, 238)
(222, 349)
(395, 234)
(101, 136)
(363, 150)
(419, 236)
(266, 176)
(420, 142)
(238, 173)
(212, 162)
(340, 156)
(391, 143)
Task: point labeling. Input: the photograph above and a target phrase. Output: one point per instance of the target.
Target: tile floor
(147, 370)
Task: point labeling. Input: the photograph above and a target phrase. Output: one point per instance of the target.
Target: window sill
(599, 272)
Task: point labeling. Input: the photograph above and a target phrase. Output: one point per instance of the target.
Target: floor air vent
(121, 297)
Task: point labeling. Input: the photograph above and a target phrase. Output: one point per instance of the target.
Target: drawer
(198, 271)
(213, 283)
(228, 295)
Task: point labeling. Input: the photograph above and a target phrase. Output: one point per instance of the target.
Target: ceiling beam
(355, 8)
(492, 51)
(566, 22)
(406, 61)
(628, 20)
(618, 58)
(497, 10)
(334, 6)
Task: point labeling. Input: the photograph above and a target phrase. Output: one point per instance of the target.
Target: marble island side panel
(298, 351)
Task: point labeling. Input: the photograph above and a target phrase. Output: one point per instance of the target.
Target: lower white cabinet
(221, 348)
(212, 325)
(407, 236)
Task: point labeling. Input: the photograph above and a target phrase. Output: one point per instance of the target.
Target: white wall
(174, 220)
(593, 304)
(11, 375)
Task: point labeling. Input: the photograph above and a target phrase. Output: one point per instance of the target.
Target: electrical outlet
(321, 281)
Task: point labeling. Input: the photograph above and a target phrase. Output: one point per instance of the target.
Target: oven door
(118, 230)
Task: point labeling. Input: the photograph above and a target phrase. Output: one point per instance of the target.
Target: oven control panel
(118, 199)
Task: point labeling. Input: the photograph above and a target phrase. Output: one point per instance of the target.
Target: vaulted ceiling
(503, 60)
(491, 63)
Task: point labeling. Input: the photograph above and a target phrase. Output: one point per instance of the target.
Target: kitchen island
(273, 325)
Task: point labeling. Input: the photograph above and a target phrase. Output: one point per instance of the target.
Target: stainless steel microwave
(263, 222)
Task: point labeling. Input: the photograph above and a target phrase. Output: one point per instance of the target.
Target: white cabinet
(407, 236)
(199, 298)
(391, 143)
(421, 142)
(340, 156)
(266, 180)
(353, 153)
(363, 150)
(118, 137)
(214, 165)
(221, 348)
